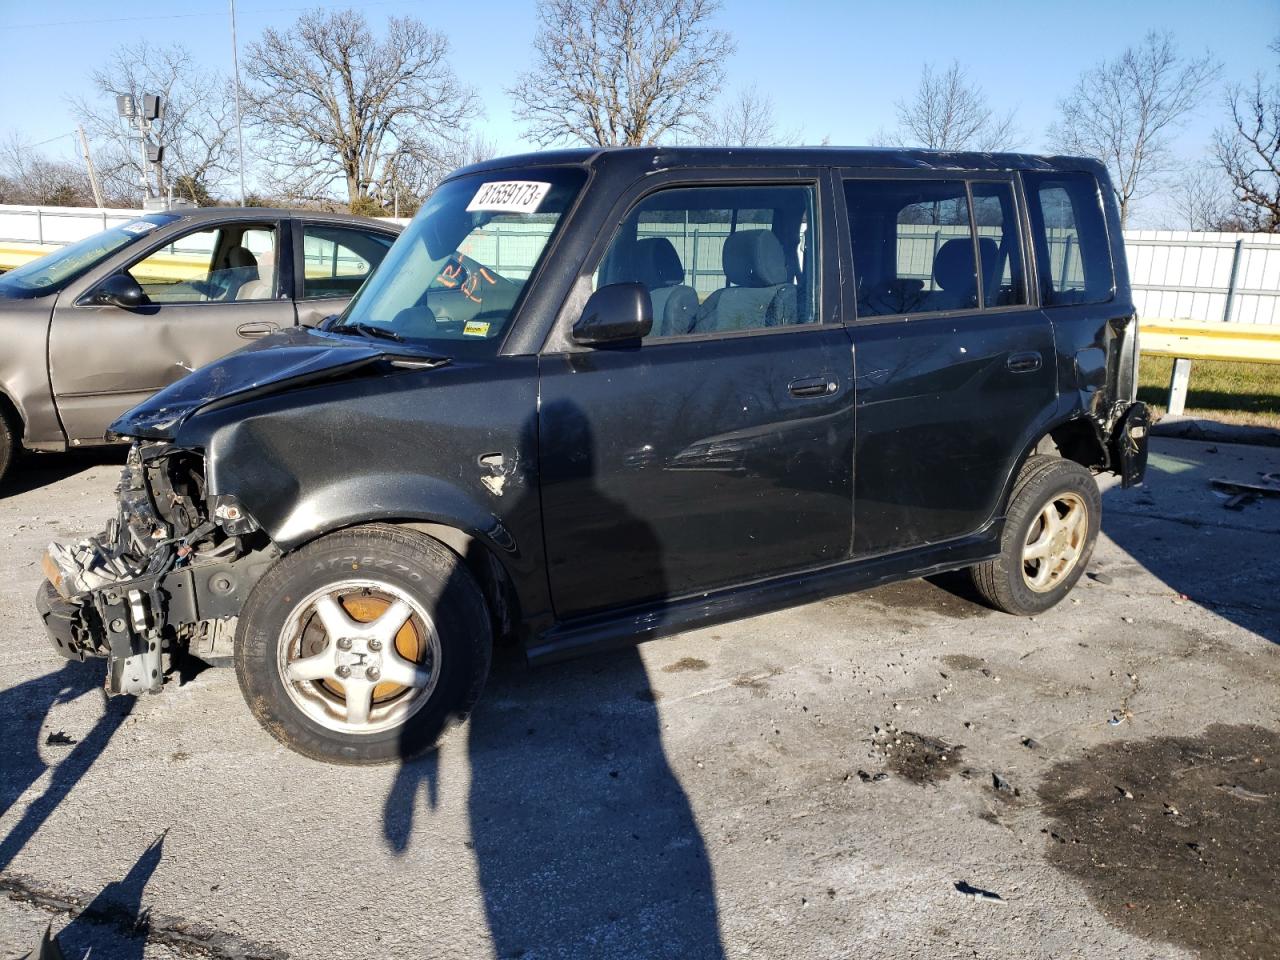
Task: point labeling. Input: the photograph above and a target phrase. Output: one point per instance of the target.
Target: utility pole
(93, 174)
(235, 63)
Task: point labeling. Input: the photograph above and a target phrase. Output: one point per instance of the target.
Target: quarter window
(720, 259)
(1070, 238)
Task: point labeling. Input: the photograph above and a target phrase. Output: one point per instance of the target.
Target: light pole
(235, 64)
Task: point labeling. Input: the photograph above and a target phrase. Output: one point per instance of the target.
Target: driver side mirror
(616, 313)
(119, 290)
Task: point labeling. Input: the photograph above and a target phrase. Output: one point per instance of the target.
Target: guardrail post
(1178, 386)
(1231, 284)
(39, 227)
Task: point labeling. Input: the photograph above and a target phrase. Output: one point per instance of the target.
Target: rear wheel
(10, 441)
(1050, 530)
(363, 646)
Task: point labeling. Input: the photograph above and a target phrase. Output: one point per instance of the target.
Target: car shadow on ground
(584, 839)
(1182, 533)
(35, 470)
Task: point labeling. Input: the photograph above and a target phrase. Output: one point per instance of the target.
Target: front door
(718, 450)
(210, 292)
(955, 369)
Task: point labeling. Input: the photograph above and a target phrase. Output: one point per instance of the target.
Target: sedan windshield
(459, 270)
(48, 273)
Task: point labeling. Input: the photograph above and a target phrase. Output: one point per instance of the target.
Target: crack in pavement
(188, 938)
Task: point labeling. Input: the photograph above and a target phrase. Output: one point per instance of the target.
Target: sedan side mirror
(119, 290)
(616, 313)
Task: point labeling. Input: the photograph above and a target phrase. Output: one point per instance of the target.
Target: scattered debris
(1124, 793)
(914, 756)
(1101, 578)
(1269, 487)
(1241, 500)
(1001, 785)
(59, 739)
(1031, 743)
(1242, 793)
(879, 777)
(965, 889)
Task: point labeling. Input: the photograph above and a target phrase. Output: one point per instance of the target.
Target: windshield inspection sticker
(138, 226)
(509, 196)
(476, 328)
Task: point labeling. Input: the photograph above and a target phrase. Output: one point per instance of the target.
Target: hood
(285, 360)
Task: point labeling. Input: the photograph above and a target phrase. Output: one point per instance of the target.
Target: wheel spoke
(334, 617)
(317, 667)
(1044, 570)
(1038, 548)
(396, 669)
(359, 694)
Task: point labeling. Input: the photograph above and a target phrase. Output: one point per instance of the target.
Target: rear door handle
(813, 386)
(257, 328)
(1027, 362)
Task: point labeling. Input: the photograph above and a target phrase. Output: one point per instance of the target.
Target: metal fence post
(1178, 386)
(39, 227)
(1231, 284)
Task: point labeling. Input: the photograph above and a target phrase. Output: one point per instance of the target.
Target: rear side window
(337, 259)
(930, 246)
(1070, 237)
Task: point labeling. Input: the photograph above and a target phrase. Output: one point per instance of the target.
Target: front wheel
(1050, 530)
(363, 646)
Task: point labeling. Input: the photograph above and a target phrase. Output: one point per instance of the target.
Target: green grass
(1247, 393)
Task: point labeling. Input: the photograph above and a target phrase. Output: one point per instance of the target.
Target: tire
(10, 441)
(1020, 582)
(290, 665)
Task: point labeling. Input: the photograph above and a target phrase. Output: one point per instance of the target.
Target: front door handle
(257, 328)
(813, 386)
(1028, 362)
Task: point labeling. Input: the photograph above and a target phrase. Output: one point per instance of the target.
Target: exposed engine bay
(169, 572)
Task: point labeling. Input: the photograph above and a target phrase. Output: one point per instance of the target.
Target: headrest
(989, 252)
(953, 266)
(754, 258)
(657, 264)
(239, 257)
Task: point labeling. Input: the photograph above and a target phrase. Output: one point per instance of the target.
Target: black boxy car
(592, 397)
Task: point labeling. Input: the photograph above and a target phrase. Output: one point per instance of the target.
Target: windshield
(458, 271)
(47, 273)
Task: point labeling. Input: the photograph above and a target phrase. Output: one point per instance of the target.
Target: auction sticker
(509, 196)
(138, 226)
(475, 328)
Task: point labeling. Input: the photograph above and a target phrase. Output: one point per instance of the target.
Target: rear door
(332, 262)
(955, 363)
(718, 450)
(210, 291)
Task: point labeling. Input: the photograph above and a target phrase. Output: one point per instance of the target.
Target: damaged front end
(171, 571)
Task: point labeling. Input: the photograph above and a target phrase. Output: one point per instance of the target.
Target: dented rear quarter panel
(455, 445)
(24, 374)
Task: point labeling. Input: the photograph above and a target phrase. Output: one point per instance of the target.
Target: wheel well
(1076, 440)
(499, 592)
(11, 414)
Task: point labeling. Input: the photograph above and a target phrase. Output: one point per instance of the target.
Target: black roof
(640, 159)
(254, 213)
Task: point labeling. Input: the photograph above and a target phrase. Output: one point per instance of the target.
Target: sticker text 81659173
(509, 196)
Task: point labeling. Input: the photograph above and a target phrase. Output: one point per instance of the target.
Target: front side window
(458, 271)
(928, 246)
(224, 264)
(336, 260)
(720, 259)
(1070, 236)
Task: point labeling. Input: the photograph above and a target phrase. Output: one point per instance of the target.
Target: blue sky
(833, 69)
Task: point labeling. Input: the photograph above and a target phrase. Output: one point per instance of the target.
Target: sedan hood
(286, 360)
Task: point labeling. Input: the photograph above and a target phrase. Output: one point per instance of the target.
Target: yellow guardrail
(177, 266)
(1187, 340)
(16, 254)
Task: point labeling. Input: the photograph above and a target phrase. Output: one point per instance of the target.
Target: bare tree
(1249, 150)
(197, 127)
(1200, 198)
(621, 72)
(333, 105)
(948, 112)
(29, 176)
(1124, 111)
(412, 177)
(745, 121)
